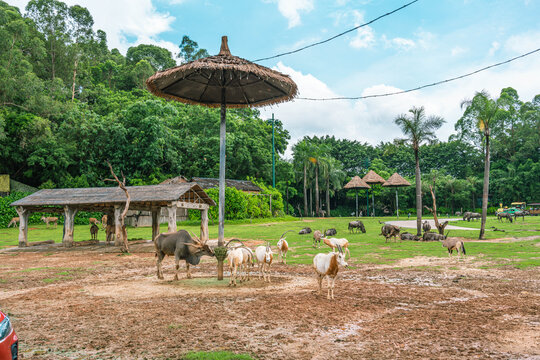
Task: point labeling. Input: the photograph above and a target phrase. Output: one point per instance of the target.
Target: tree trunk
(328, 197)
(74, 77)
(310, 202)
(305, 191)
(23, 226)
(317, 208)
(418, 195)
(486, 190)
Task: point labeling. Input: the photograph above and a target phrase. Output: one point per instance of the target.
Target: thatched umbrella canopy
(396, 181)
(373, 178)
(356, 183)
(222, 81)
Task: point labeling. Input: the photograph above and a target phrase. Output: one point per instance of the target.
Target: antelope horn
(234, 240)
(195, 237)
(194, 245)
(448, 232)
(340, 249)
(285, 233)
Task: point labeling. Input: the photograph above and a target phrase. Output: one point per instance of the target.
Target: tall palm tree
(301, 154)
(333, 174)
(418, 128)
(472, 181)
(483, 109)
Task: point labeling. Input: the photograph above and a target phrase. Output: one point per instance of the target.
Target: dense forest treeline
(68, 103)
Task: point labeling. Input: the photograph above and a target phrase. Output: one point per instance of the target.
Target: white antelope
(334, 243)
(235, 258)
(283, 247)
(264, 257)
(328, 265)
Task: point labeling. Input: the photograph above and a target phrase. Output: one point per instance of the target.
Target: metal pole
(356, 202)
(222, 157)
(367, 202)
(273, 155)
(373, 202)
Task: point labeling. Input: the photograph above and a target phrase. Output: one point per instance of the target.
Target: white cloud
(365, 36)
(494, 47)
(126, 22)
(399, 43)
(523, 43)
(457, 50)
(290, 9)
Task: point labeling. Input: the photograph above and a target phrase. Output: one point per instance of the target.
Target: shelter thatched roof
(396, 180)
(175, 180)
(373, 178)
(242, 185)
(200, 82)
(356, 183)
(105, 197)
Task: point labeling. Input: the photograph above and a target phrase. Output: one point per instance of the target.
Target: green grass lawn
(369, 248)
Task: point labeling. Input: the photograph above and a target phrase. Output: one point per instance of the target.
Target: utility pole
(273, 154)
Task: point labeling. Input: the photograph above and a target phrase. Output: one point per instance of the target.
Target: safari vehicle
(534, 209)
(515, 207)
(9, 343)
(519, 205)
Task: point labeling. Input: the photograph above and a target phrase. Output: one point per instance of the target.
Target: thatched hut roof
(373, 178)
(200, 82)
(242, 185)
(357, 183)
(396, 180)
(175, 180)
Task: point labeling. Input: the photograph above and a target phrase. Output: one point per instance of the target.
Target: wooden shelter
(373, 178)
(396, 181)
(111, 200)
(356, 183)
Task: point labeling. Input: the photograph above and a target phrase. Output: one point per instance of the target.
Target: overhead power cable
(423, 86)
(338, 35)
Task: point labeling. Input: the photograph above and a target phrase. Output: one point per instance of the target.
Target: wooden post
(222, 159)
(171, 209)
(204, 225)
(119, 239)
(23, 226)
(69, 218)
(155, 223)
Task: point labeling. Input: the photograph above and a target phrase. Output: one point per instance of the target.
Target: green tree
(189, 50)
(160, 58)
(418, 128)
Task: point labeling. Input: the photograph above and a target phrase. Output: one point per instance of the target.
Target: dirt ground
(93, 303)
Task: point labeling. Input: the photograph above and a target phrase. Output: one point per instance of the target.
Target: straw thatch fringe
(357, 183)
(396, 180)
(373, 178)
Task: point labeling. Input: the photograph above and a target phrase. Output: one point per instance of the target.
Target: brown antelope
(93, 221)
(14, 221)
(104, 222)
(94, 231)
(50, 219)
(327, 265)
(335, 243)
(109, 233)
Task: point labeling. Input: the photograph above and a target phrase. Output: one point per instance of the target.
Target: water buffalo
(304, 231)
(473, 216)
(330, 232)
(183, 247)
(426, 226)
(409, 236)
(357, 225)
(501, 216)
(389, 231)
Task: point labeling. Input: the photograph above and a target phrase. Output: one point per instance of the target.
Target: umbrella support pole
(222, 157)
(397, 205)
(356, 202)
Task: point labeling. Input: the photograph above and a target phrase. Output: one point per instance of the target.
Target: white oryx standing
(328, 265)
(283, 247)
(264, 258)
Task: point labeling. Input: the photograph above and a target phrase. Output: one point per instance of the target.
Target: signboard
(4, 183)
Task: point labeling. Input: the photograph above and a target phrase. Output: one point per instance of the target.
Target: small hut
(396, 181)
(373, 178)
(357, 183)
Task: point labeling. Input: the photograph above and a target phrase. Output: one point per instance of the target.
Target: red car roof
(2, 316)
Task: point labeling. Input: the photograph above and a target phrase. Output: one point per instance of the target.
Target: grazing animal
(304, 231)
(264, 258)
(51, 219)
(183, 247)
(454, 244)
(355, 225)
(94, 231)
(389, 231)
(104, 222)
(330, 232)
(520, 213)
(109, 233)
(283, 247)
(473, 215)
(466, 215)
(426, 226)
(247, 261)
(431, 236)
(235, 257)
(317, 236)
(93, 221)
(457, 213)
(501, 216)
(335, 243)
(327, 265)
(14, 221)
(409, 236)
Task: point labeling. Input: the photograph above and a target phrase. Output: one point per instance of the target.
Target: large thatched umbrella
(356, 183)
(396, 181)
(222, 81)
(373, 178)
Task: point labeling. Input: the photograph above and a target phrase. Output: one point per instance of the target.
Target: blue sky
(429, 41)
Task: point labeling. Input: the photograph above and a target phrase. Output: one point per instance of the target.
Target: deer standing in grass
(327, 265)
(14, 221)
(51, 219)
(94, 231)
